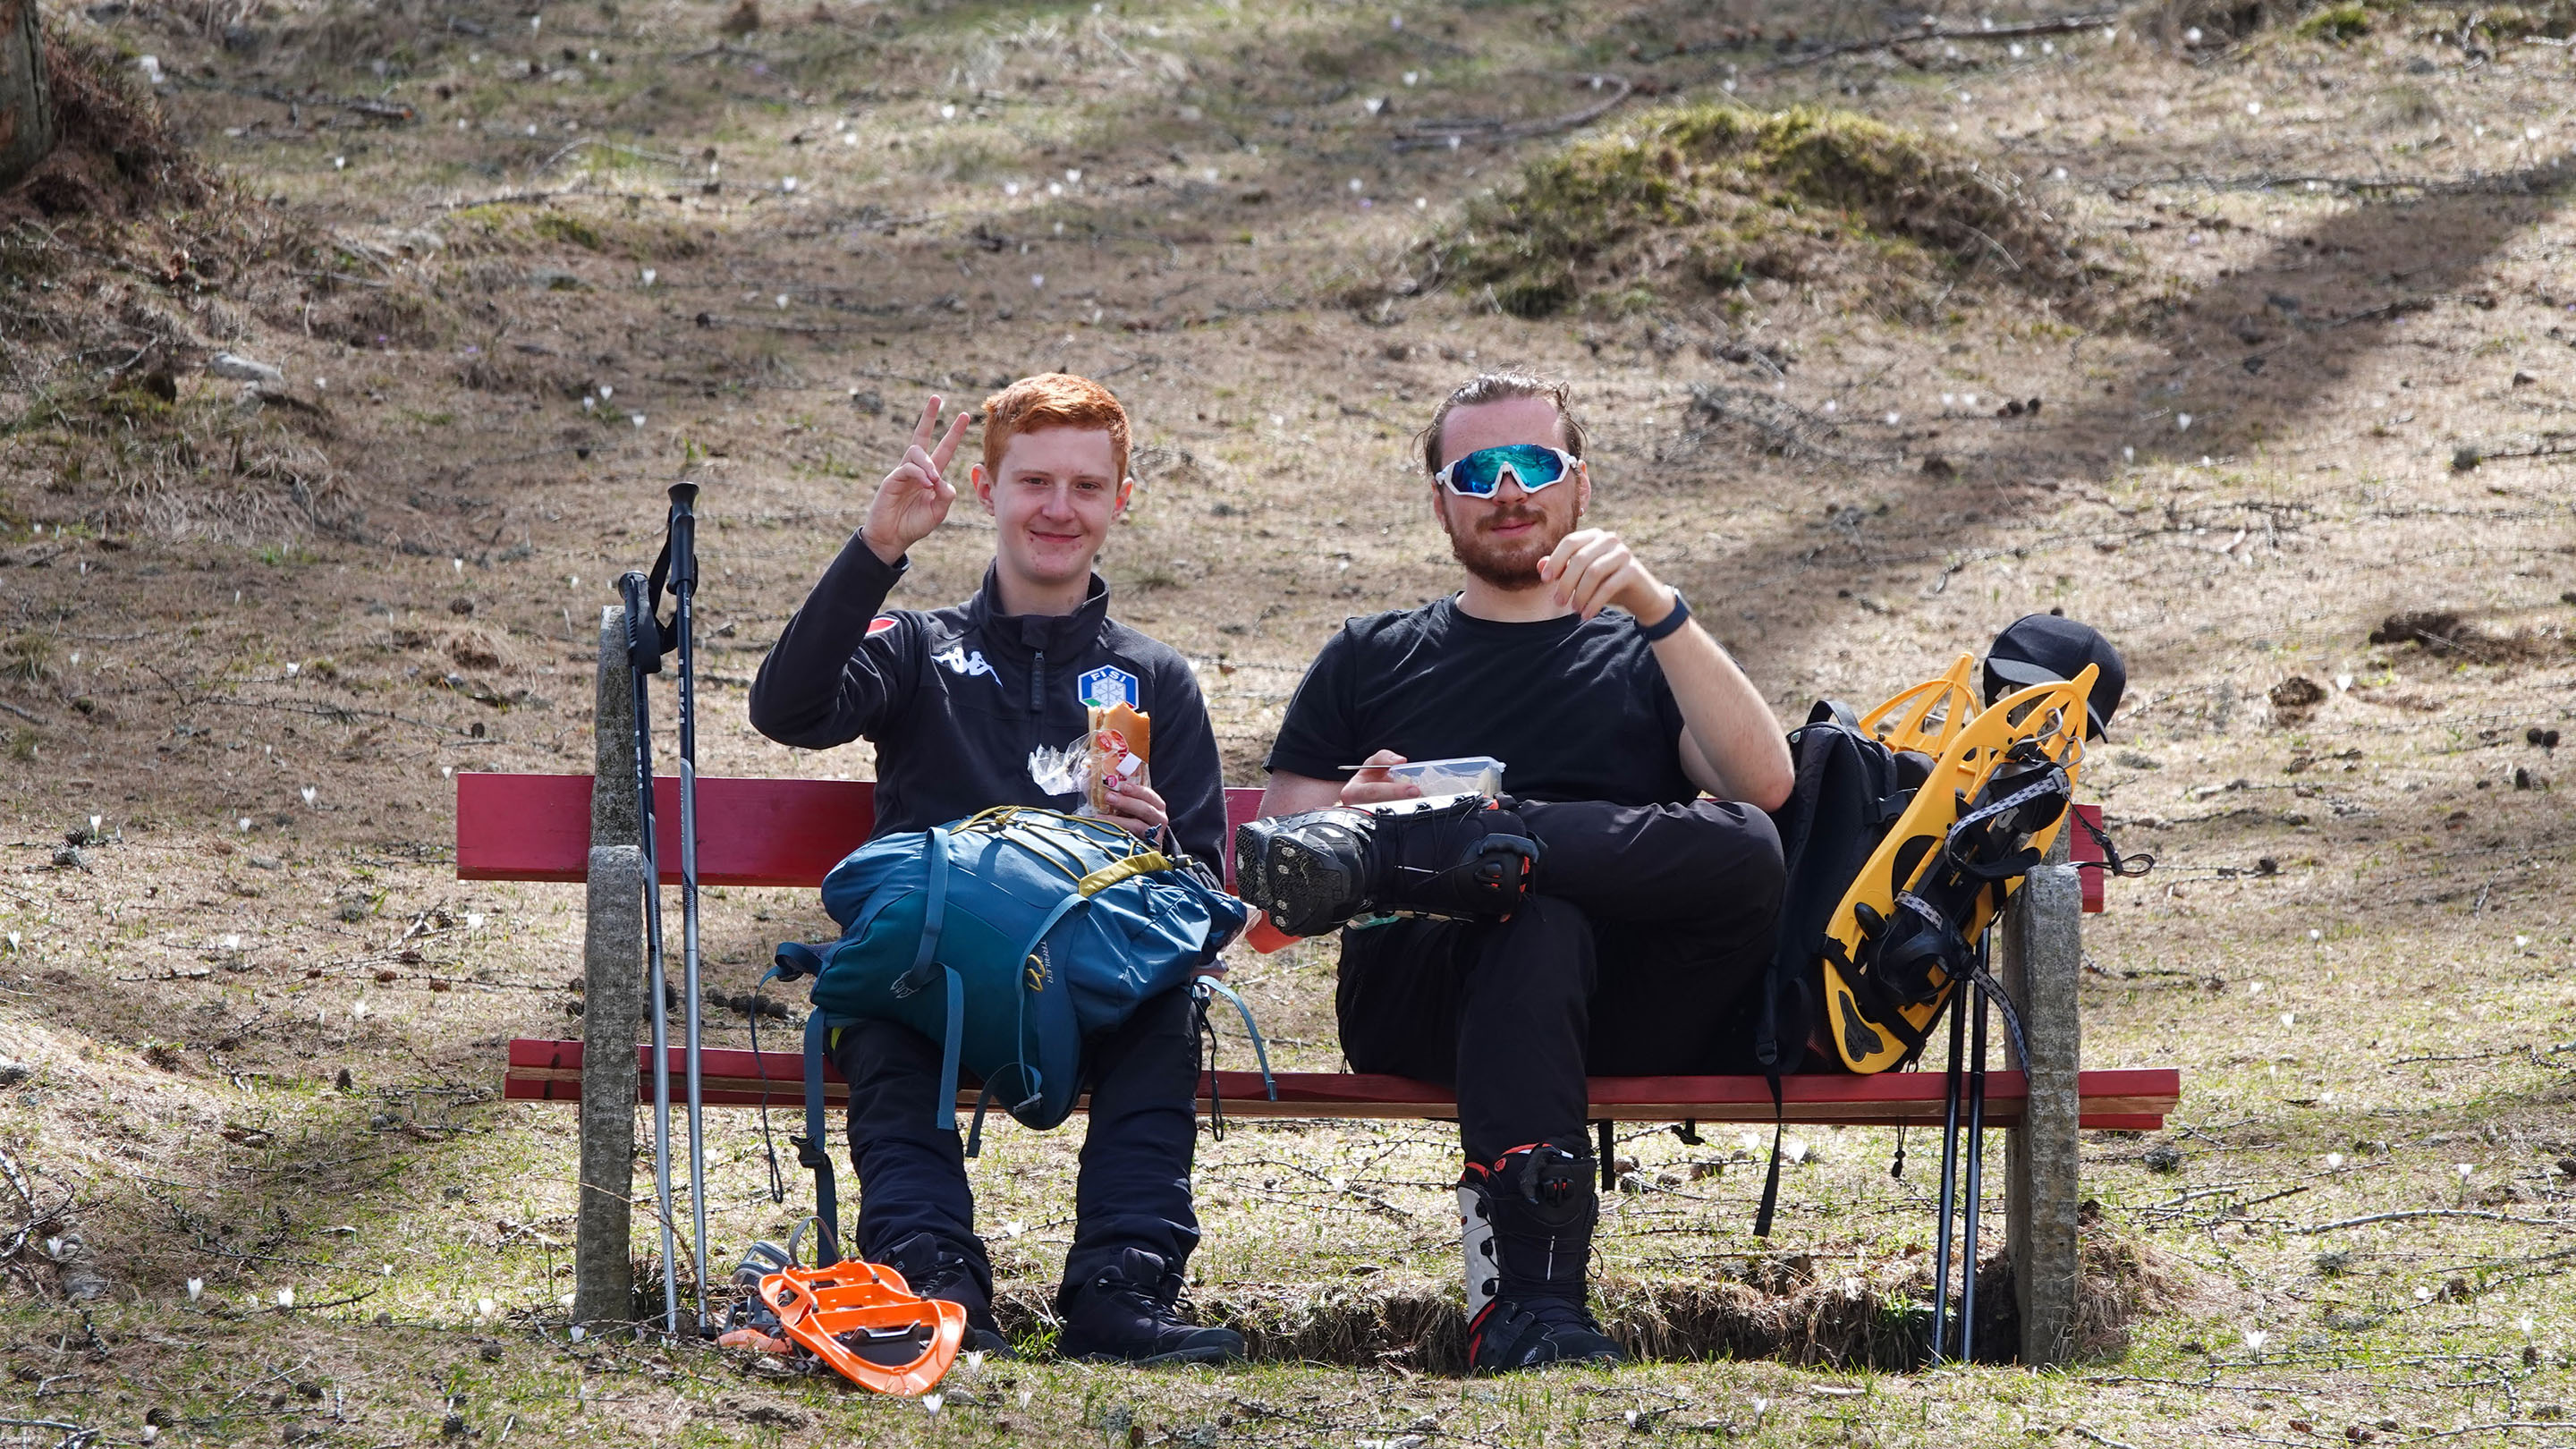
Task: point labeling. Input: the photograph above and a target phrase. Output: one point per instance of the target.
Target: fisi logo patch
(1106, 686)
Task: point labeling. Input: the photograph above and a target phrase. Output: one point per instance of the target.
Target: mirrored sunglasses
(1532, 465)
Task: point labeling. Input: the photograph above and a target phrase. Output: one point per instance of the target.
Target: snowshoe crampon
(1903, 936)
(863, 1321)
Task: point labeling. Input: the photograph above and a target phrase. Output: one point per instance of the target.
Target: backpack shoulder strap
(1205, 984)
(934, 917)
(814, 1149)
(1032, 1080)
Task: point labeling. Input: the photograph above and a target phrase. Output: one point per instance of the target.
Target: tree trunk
(26, 100)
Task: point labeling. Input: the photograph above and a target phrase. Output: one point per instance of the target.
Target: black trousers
(1133, 1189)
(1649, 928)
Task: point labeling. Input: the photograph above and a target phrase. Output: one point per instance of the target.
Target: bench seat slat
(2128, 1098)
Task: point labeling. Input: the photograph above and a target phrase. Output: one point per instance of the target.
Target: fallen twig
(2413, 1213)
(531, 198)
(20, 713)
(635, 151)
(2515, 183)
(333, 1303)
(393, 112)
(1429, 134)
(1786, 428)
(2062, 26)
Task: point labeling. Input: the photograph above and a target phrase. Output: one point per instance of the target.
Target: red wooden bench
(767, 832)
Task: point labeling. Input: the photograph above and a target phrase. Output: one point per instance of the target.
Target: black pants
(1650, 926)
(1133, 1190)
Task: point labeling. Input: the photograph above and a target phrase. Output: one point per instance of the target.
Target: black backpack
(1848, 789)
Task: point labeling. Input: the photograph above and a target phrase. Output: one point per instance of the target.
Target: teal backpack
(1008, 938)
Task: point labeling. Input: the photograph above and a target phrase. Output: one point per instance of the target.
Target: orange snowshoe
(863, 1320)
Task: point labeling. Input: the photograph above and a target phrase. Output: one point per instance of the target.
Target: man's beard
(1511, 566)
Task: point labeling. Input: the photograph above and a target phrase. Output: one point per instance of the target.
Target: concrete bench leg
(603, 1271)
(613, 997)
(2043, 959)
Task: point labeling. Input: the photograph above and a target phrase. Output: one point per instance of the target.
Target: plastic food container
(1480, 773)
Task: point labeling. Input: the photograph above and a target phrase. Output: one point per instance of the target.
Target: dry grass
(115, 151)
(2355, 946)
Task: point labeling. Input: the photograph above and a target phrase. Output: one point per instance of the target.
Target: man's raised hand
(914, 498)
(1592, 568)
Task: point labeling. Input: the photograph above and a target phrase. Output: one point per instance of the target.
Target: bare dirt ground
(522, 268)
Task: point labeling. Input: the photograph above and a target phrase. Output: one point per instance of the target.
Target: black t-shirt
(1575, 709)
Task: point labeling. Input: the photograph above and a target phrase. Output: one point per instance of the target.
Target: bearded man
(1602, 917)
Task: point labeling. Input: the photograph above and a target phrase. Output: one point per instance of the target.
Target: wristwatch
(1666, 625)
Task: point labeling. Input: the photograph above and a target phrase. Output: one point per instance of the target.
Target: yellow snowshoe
(1927, 717)
(1901, 938)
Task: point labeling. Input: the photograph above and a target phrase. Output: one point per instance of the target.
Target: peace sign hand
(914, 498)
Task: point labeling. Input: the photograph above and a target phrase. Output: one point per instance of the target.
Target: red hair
(1053, 400)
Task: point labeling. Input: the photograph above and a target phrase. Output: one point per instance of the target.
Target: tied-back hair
(1489, 387)
(1053, 400)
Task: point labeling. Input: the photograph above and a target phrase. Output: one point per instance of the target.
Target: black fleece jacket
(955, 699)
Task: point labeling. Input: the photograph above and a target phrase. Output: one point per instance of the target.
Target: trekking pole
(1976, 1167)
(643, 657)
(1949, 1181)
(684, 589)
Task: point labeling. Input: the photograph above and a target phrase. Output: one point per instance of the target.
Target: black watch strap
(1666, 625)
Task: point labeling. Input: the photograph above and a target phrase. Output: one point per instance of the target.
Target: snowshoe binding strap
(2127, 867)
(863, 1322)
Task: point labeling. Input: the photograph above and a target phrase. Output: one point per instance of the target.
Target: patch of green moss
(2338, 23)
(1711, 196)
(2508, 24)
(559, 226)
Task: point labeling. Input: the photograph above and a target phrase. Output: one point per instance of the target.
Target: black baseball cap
(2050, 649)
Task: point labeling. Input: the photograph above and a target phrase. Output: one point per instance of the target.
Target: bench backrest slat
(2086, 854)
(750, 831)
(772, 832)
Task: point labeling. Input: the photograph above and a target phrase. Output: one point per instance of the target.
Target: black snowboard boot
(1123, 1313)
(936, 1269)
(1528, 1219)
(1453, 856)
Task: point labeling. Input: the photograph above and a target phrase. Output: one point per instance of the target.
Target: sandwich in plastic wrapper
(1118, 746)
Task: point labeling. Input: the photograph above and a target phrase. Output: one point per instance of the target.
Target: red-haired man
(955, 700)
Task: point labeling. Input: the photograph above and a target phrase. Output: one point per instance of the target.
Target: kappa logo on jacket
(963, 662)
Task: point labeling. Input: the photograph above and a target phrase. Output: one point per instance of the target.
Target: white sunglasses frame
(1573, 465)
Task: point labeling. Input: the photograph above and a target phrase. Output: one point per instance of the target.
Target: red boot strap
(755, 1340)
(1484, 1170)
